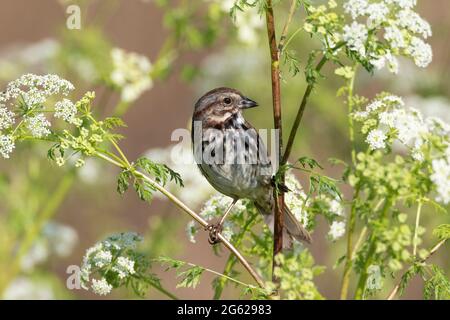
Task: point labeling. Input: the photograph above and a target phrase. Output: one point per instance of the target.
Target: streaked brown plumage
(233, 158)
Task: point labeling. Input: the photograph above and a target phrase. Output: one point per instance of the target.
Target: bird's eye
(227, 100)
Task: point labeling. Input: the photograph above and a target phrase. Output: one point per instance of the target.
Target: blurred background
(50, 216)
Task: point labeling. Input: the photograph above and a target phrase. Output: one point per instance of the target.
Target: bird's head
(221, 103)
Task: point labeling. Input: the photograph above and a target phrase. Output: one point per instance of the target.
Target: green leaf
(442, 231)
(438, 286)
(123, 181)
(113, 122)
(310, 162)
(190, 278)
(161, 172)
(416, 269)
(144, 190)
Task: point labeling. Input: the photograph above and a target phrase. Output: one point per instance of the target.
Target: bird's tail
(293, 229)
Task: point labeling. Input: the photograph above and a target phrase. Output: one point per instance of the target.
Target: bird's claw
(214, 230)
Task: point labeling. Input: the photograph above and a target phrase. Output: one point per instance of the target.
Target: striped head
(221, 104)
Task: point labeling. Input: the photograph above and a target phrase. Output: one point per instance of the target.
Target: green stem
(302, 107)
(161, 289)
(415, 239)
(432, 251)
(349, 256)
(361, 286)
(350, 102)
(231, 260)
(352, 220)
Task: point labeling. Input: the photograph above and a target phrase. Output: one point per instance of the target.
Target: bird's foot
(214, 230)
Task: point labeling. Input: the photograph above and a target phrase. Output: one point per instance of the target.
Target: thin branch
(432, 251)
(186, 209)
(302, 107)
(276, 101)
(284, 33)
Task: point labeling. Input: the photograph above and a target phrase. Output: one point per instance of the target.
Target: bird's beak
(247, 103)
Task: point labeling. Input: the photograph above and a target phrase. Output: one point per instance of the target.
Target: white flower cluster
(131, 74)
(56, 239)
(6, 146)
(441, 177)
(215, 207)
(296, 200)
(401, 28)
(66, 110)
(391, 122)
(38, 125)
(35, 89)
(408, 124)
(248, 21)
(336, 213)
(27, 96)
(337, 230)
(27, 288)
(112, 257)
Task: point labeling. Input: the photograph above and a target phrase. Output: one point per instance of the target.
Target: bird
(233, 158)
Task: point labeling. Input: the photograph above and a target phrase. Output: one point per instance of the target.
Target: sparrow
(233, 158)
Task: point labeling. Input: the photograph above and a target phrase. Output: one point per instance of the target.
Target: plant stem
(186, 209)
(361, 286)
(352, 220)
(284, 33)
(351, 87)
(415, 239)
(160, 289)
(276, 102)
(302, 107)
(350, 252)
(432, 251)
(231, 259)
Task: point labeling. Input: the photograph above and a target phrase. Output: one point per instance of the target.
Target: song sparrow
(233, 158)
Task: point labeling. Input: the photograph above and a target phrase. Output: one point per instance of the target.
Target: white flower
(395, 101)
(6, 118)
(296, 199)
(131, 73)
(374, 106)
(35, 89)
(101, 287)
(124, 267)
(388, 118)
(376, 139)
(24, 288)
(37, 254)
(337, 230)
(356, 36)
(378, 13)
(191, 231)
(38, 125)
(61, 238)
(394, 36)
(65, 110)
(404, 4)
(380, 62)
(248, 23)
(413, 22)
(441, 179)
(356, 8)
(420, 51)
(6, 146)
(102, 258)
